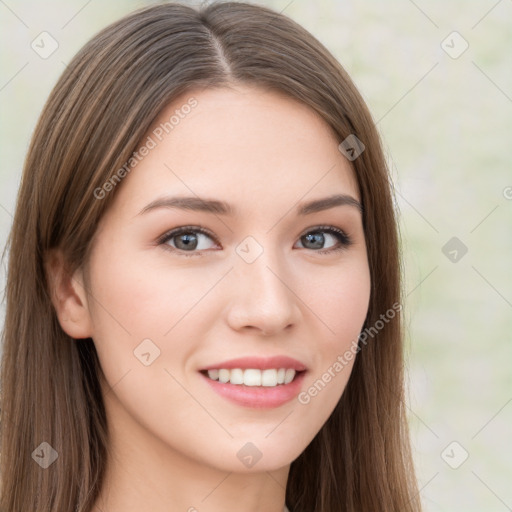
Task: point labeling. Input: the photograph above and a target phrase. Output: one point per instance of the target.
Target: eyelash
(344, 240)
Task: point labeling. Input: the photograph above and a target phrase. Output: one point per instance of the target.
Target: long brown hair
(96, 116)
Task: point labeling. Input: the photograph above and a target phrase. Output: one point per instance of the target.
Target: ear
(68, 296)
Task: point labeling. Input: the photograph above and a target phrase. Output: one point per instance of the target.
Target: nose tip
(262, 300)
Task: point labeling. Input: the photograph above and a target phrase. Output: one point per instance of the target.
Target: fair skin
(174, 439)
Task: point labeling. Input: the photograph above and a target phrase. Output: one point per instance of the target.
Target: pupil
(189, 241)
(316, 238)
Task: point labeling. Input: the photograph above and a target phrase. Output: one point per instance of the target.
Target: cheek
(339, 305)
(139, 308)
(140, 298)
(339, 300)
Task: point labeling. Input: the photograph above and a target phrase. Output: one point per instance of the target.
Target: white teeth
(224, 375)
(269, 378)
(213, 374)
(237, 376)
(289, 375)
(253, 377)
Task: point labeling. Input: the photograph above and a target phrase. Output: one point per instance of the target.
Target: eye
(315, 239)
(186, 239)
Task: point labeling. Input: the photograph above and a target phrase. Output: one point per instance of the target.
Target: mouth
(253, 377)
(256, 382)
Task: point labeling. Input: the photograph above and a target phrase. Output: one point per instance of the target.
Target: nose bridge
(262, 297)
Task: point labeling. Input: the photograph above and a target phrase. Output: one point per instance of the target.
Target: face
(219, 318)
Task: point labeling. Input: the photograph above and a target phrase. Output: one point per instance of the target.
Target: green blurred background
(445, 115)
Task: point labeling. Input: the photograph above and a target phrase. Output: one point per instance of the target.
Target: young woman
(203, 291)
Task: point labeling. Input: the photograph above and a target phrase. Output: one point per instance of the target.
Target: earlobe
(68, 295)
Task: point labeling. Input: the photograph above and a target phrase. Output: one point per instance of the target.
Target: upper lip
(258, 362)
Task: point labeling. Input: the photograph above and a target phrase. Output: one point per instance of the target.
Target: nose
(262, 297)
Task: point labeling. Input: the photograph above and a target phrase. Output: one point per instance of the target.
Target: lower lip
(258, 397)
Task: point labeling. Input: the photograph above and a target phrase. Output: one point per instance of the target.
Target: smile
(256, 381)
(270, 377)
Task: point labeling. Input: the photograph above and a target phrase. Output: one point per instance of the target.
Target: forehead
(245, 145)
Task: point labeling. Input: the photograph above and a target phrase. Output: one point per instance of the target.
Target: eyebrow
(223, 208)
